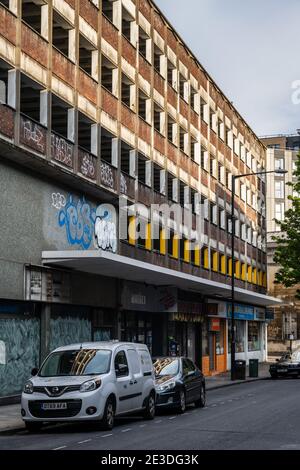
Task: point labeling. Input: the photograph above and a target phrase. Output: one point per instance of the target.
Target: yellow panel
(254, 276)
(148, 237)
(197, 255)
(230, 267)
(249, 274)
(215, 262)
(259, 278)
(237, 269)
(206, 260)
(243, 271)
(186, 254)
(175, 246)
(163, 242)
(223, 264)
(265, 283)
(131, 230)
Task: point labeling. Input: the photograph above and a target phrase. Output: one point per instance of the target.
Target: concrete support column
(95, 130)
(45, 330)
(71, 124)
(44, 107)
(72, 45)
(13, 6)
(45, 21)
(12, 88)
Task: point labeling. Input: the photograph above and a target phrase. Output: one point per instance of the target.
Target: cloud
(250, 48)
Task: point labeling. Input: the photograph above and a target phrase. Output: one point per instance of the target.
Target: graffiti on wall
(106, 174)
(87, 167)
(61, 150)
(69, 330)
(20, 349)
(33, 135)
(58, 200)
(78, 218)
(105, 228)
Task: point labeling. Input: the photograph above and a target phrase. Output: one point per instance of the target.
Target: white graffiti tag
(105, 228)
(107, 175)
(87, 166)
(123, 185)
(61, 150)
(32, 134)
(58, 200)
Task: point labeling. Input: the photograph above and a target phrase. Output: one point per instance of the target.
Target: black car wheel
(107, 422)
(149, 412)
(182, 402)
(202, 400)
(33, 426)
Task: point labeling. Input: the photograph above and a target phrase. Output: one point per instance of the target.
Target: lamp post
(234, 178)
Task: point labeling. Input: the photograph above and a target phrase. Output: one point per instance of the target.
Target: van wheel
(182, 402)
(107, 422)
(149, 412)
(33, 426)
(202, 399)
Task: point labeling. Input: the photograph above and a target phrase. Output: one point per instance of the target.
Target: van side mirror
(34, 371)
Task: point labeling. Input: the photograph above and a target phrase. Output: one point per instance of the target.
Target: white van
(90, 381)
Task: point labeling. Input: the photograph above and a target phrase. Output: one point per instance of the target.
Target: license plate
(281, 370)
(54, 406)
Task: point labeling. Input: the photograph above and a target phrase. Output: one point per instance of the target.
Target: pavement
(10, 418)
(261, 415)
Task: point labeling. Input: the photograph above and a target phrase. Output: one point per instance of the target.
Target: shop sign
(47, 285)
(241, 312)
(259, 314)
(214, 324)
(186, 317)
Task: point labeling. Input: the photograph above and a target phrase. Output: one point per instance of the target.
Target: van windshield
(72, 363)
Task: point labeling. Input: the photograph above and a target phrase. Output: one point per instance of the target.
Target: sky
(251, 48)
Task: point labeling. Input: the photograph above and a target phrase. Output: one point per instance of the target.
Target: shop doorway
(212, 350)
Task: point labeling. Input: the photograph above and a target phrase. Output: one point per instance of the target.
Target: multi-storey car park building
(102, 98)
(282, 152)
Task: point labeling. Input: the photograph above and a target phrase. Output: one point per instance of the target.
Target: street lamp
(234, 177)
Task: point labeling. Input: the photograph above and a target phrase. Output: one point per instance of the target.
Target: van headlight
(90, 385)
(165, 387)
(28, 387)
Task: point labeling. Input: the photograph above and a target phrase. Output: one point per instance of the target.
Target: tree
(287, 253)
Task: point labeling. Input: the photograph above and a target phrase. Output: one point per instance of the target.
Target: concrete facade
(102, 99)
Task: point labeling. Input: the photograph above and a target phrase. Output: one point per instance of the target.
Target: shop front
(214, 350)
(250, 333)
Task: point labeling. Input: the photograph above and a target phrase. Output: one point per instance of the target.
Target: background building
(101, 99)
(282, 151)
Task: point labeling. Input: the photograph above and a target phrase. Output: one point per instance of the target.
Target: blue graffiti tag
(79, 220)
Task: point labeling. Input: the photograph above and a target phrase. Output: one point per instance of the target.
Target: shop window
(253, 336)
(220, 340)
(239, 335)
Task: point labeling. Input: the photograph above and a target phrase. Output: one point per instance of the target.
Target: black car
(287, 366)
(178, 383)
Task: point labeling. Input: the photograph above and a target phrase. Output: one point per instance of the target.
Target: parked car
(90, 381)
(179, 382)
(287, 365)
